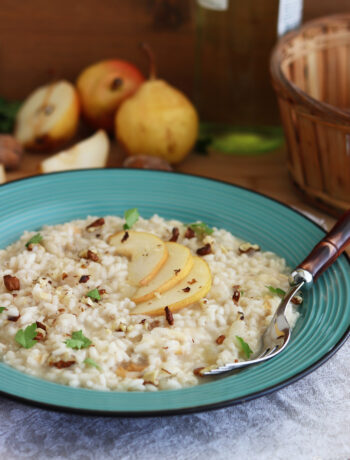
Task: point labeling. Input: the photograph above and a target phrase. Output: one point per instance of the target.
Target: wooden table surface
(266, 173)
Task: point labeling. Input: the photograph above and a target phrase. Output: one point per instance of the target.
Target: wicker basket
(310, 71)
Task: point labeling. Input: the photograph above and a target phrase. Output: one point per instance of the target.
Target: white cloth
(309, 419)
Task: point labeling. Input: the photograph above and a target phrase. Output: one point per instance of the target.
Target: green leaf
(94, 294)
(280, 292)
(78, 341)
(91, 362)
(8, 112)
(36, 239)
(201, 229)
(26, 337)
(131, 216)
(2, 309)
(245, 347)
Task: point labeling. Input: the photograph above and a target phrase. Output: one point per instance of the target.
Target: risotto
(66, 308)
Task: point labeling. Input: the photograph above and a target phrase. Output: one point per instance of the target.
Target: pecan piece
(84, 278)
(125, 237)
(204, 250)
(248, 248)
(41, 325)
(153, 324)
(12, 283)
(177, 271)
(198, 372)
(186, 289)
(62, 364)
(220, 339)
(13, 318)
(169, 316)
(92, 256)
(236, 294)
(175, 235)
(97, 223)
(189, 233)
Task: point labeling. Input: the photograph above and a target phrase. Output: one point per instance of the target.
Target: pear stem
(151, 60)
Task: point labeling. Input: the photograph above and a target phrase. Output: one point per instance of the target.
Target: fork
(277, 335)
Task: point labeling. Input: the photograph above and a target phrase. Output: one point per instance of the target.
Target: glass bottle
(233, 93)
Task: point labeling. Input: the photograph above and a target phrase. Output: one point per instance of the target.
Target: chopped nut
(198, 372)
(236, 294)
(102, 291)
(64, 276)
(220, 339)
(297, 300)
(143, 321)
(193, 280)
(84, 279)
(62, 364)
(97, 223)
(13, 318)
(189, 233)
(11, 283)
(91, 255)
(125, 237)
(177, 271)
(248, 248)
(204, 250)
(121, 327)
(186, 289)
(169, 316)
(41, 325)
(175, 235)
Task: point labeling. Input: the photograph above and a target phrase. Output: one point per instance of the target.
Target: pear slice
(191, 289)
(89, 153)
(147, 254)
(176, 267)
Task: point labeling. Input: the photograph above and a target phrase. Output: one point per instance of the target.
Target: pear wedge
(147, 254)
(176, 267)
(191, 289)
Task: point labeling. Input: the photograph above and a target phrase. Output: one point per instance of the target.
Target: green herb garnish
(91, 362)
(2, 309)
(26, 337)
(94, 294)
(78, 341)
(8, 112)
(36, 239)
(131, 216)
(201, 229)
(280, 292)
(245, 347)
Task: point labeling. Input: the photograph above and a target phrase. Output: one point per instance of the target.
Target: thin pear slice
(89, 153)
(147, 254)
(176, 267)
(191, 289)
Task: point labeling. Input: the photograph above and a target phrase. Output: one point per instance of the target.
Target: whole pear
(158, 120)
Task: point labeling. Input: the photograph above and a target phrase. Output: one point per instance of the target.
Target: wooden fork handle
(329, 248)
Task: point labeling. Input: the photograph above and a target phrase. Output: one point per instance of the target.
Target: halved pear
(147, 254)
(191, 289)
(89, 153)
(174, 270)
(48, 117)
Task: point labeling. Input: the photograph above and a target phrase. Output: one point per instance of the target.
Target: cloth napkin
(309, 419)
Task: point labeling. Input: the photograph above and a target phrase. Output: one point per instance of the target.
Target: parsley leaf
(2, 309)
(201, 229)
(26, 337)
(245, 347)
(94, 294)
(78, 341)
(91, 362)
(277, 291)
(36, 239)
(131, 216)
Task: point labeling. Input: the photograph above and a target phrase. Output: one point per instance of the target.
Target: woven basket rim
(281, 82)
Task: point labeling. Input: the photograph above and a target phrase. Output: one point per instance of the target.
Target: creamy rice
(133, 352)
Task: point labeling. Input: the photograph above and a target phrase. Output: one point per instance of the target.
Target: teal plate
(325, 314)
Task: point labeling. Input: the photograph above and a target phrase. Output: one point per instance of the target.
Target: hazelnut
(11, 151)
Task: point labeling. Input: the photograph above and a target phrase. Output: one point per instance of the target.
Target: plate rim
(197, 408)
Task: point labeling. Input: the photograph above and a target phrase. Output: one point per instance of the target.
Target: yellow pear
(158, 120)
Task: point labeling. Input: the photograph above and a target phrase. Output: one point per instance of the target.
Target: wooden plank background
(40, 39)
